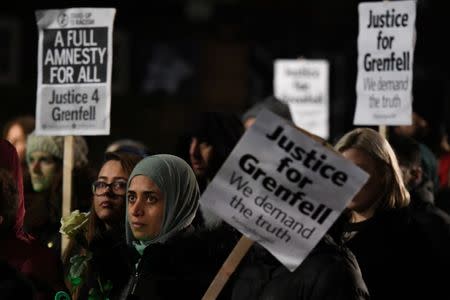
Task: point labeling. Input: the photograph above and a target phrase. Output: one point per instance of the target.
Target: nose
(193, 150)
(136, 209)
(35, 167)
(109, 190)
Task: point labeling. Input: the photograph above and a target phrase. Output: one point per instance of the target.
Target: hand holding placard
(282, 189)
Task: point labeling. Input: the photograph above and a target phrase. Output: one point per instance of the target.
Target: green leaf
(76, 281)
(62, 296)
(79, 264)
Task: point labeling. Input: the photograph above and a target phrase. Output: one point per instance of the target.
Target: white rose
(73, 223)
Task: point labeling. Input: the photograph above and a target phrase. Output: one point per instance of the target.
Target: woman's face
(109, 201)
(366, 199)
(17, 138)
(145, 208)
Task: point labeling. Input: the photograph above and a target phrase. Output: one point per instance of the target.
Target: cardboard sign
(303, 85)
(74, 71)
(282, 189)
(385, 61)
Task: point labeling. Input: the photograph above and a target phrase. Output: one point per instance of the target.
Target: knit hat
(54, 145)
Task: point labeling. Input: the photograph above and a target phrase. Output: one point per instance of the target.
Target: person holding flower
(97, 238)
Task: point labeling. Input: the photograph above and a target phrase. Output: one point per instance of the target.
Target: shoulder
(329, 254)
(328, 272)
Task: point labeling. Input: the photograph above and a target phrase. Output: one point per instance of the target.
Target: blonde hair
(371, 142)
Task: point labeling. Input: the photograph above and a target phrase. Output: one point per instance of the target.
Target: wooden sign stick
(382, 129)
(67, 184)
(228, 267)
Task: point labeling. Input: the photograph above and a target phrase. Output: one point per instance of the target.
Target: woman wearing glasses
(104, 238)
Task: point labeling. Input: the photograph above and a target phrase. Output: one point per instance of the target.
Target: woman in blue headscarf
(162, 200)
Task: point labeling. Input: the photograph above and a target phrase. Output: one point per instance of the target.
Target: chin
(199, 173)
(140, 236)
(38, 188)
(105, 216)
(353, 205)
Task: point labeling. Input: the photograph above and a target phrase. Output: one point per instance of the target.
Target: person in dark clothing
(328, 272)
(420, 187)
(420, 131)
(210, 138)
(431, 220)
(162, 202)
(19, 250)
(104, 238)
(392, 249)
(45, 156)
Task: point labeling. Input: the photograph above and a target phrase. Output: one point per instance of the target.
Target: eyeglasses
(99, 188)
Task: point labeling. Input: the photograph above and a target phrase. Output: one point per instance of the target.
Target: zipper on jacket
(135, 278)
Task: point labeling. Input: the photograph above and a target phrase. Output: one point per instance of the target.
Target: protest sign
(74, 71)
(385, 62)
(282, 189)
(303, 85)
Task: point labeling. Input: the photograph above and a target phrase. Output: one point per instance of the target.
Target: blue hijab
(177, 182)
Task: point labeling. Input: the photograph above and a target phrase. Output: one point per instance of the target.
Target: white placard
(385, 62)
(282, 189)
(303, 85)
(74, 71)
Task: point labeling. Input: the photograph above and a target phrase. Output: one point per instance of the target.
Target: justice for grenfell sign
(385, 63)
(282, 189)
(74, 71)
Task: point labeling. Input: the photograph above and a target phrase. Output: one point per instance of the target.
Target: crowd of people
(143, 234)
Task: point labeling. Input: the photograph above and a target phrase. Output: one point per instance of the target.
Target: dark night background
(219, 55)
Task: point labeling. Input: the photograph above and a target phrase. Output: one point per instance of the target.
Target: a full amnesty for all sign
(74, 71)
(282, 189)
(385, 63)
(303, 85)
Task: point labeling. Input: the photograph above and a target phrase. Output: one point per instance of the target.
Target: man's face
(43, 169)
(200, 154)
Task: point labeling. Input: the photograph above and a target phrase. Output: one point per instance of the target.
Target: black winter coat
(396, 256)
(329, 272)
(181, 268)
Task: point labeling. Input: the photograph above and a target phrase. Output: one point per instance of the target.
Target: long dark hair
(96, 226)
